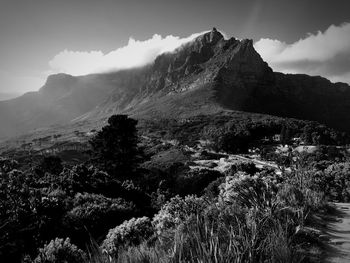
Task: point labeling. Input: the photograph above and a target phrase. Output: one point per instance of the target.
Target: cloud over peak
(324, 53)
(136, 53)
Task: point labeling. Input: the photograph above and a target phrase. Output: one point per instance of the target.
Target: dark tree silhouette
(114, 148)
(285, 135)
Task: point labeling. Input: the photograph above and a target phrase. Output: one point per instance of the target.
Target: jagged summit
(211, 37)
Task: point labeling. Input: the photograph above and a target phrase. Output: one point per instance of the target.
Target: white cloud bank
(134, 54)
(324, 53)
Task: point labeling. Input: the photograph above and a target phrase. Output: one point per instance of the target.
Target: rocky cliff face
(207, 75)
(203, 75)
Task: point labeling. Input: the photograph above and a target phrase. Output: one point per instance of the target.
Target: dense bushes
(237, 136)
(254, 218)
(97, 213)
(37, 207)
(193, 215)
(336, 182)
(59, 251)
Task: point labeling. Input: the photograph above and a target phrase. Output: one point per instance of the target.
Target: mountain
(8, 95)
(207, 75)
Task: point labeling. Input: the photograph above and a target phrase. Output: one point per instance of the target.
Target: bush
(249, 191)
(81, 178)
(93, 207)
(94, 214)
(337, 182)
(177, 210)
(131, 232)
(212, 190)
(195, 181)
(290, 195)
(60, 251)
(247, 167)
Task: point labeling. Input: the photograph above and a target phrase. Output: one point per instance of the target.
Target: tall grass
(200, 240)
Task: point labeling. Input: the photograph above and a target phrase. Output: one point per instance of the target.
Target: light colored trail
(339, 232)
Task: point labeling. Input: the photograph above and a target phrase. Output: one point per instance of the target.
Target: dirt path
(339, 233)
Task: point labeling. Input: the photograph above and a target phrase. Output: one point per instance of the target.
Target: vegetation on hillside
(237, 131)
(134, 202)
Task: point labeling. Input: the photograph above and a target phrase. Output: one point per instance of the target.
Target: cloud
(136, 53)
(324, 53)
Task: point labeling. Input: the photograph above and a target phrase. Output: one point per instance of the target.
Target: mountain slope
(205, 76)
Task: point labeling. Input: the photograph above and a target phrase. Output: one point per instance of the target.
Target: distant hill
(207, 75)
(8, 95)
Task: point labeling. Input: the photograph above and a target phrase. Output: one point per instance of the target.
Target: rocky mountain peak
(213, 36)
(58, 77)
(210, 38)
(57, 85)
(192, 53)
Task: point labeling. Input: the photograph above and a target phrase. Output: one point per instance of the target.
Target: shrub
(249, 191)
(90, 208)
(94, 214)
(212, 190)
(60, 251)
(247, 167)
(337, 181)
(195, 181)
(81, 178)
(177, 210)
(131, 232)
(290, 195)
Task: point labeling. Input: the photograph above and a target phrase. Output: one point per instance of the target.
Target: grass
(223, 235)
(200, 243)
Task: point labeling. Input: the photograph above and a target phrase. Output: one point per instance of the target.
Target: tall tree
(114, 148)
(285, 135)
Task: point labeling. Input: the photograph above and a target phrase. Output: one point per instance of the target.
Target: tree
(285, 134)
(114, 148)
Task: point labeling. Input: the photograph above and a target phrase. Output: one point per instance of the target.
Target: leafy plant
(60, 251)
(131, 232)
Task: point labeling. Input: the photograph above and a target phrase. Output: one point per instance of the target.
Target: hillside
(205, 76)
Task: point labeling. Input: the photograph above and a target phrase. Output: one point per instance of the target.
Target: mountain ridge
(206, 75)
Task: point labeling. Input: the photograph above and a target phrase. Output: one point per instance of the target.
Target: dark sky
(34, 31)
